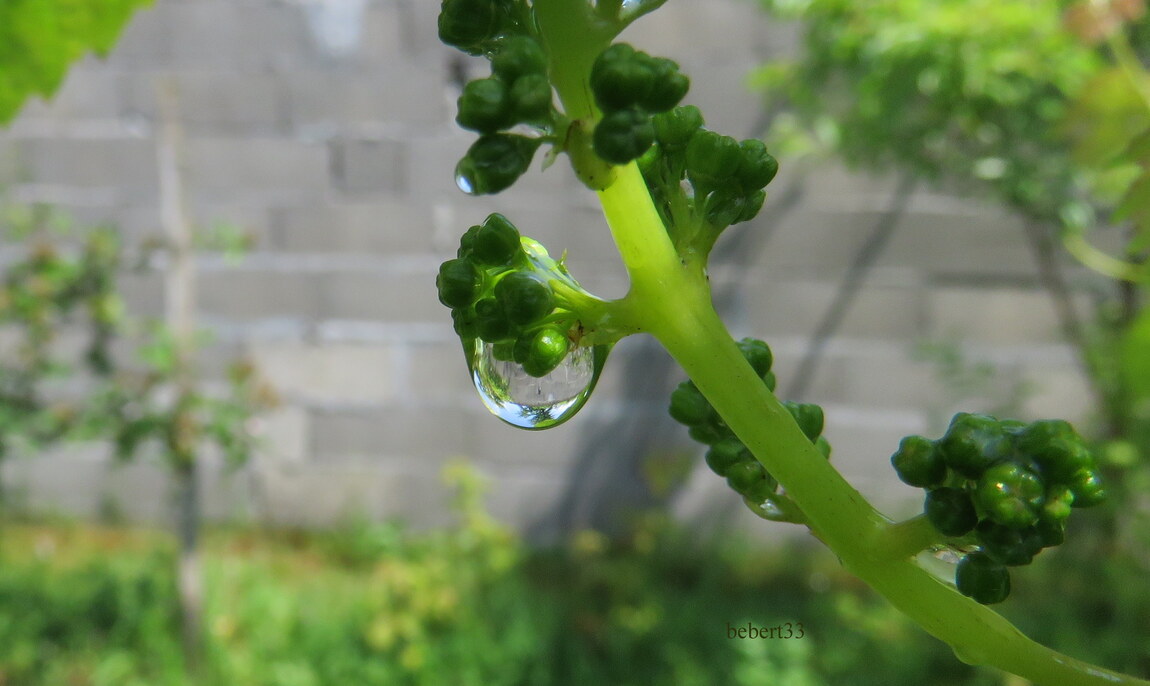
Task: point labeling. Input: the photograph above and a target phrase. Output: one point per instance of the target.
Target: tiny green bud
(725, 454)
(709, 434)
(524, 297)
(808, 416)
(950, 511)
(712, 158)
(972, 443)
(757, 167)
(468, 24)
(758, 354)
(531, 97)
(824, 446)
(519, 56)
(667, 87)
(1087, 487)
(621, 77)
(467, 241)
(1010, 494)
(491, 324)
(457, 283)
(465, 323)
(750, 479)
(918, 463)
(1059, 501)
(1008, 545)
(494, 162)
(546, 350)
(497, 242)
(485, 106)
(688, 406)
(981, 578)
(623, 135)
(674, 129)
(751, 206)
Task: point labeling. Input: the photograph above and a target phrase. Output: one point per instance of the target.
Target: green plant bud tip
(524, 297)
(494, 162)
(623, 135)
(545, 351)
(758, 354)
(1010, 494)
(1007, 545)
(950, 511)
(824, 446)
(485, 106)
(711, 159)
(621, 77)
(674, 129)
(688, 406)
(748, 478)
(519, 56)
(465, 323)
(709, 434)
(497, 242)
(667, 88)
(458, 283)
(1087, 487)
(972, 443)
(979, 577)
(531, 97)
(725, 454)
(808, 416)
(918, 463)
(757, 167)
(468, 24)
(467, 241)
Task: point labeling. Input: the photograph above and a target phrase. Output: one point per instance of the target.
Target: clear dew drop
(463, 179)
(528, 402)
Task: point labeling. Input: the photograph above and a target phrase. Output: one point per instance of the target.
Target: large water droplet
(465, 177)
(528, 402)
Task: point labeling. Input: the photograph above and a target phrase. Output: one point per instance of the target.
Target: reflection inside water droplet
(528, 402)
(463, 179)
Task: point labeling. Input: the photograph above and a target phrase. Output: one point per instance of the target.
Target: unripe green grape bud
(674, 129)
(972, 443)
(458, 283)
(1035, 436)
(688, 406)
(467, 241)
(747, 478)
(808, 416)
(1059, 501)
(751, 206)
(1010, 494)
(1087, 487)
(519, 56)
(494, 162)
(757, 167)
(770, 381)
(1062, 457)
(712, 158)
(758, 354)
(725, 454)
(491, 323)
(668, 86)
(485, 106)
(547, 349)
(497, 242)
(724, 207)
(524, 297)
(621, 77)
(468, 24)
(824, 446)
(465, 323)
(1007, 545)
(1051, 533)
(623, 135)
(982, 579)
(531, 97)
(918, 462)
(950, 511)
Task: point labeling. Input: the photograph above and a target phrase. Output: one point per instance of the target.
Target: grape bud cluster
(728, 456)
(1003, 489)
(500, 290)
(629, 86)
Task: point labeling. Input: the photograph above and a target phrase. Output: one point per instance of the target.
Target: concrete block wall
(329, 138)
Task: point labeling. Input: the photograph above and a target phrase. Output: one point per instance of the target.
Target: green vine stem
(868, 544)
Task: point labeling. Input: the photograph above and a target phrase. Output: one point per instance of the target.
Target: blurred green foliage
(40, 39)
(472, 605)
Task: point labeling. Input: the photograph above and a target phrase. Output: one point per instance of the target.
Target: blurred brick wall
(332, 142)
